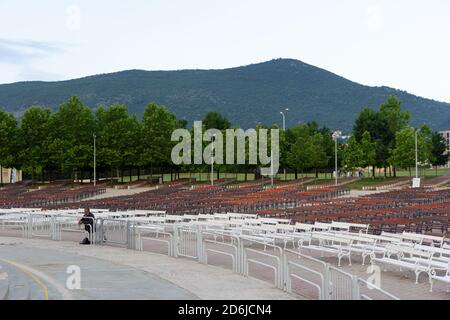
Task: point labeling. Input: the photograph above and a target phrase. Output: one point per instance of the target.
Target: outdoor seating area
(419, 254)
(188, 198)
(412, 210)
(22, 196)
(416, 210)
(285, 233)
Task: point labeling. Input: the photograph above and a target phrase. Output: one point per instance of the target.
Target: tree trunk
(112, 176)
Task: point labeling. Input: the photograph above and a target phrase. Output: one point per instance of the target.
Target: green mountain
(246, 95)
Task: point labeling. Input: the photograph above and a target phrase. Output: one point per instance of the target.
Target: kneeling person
(88, 220)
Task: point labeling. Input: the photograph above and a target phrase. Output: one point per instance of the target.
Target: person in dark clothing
(88, 220)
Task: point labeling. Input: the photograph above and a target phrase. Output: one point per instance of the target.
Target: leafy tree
(368, 149)
(214, 120)
(404, 154)
(353, 154)
(439, 157)
(8, 141)
(370, 121)
(396, 119)
(33, 137)
(381, 126)
(300, 146)
(71, 133)
(319, 157)
(118, 137)
(157, 127)
(307, 148)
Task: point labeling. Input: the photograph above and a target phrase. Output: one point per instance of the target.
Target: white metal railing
(315, 267)
(342, 285)
(234, 245)
(153, 233)
(373, 289)
(187, 242)
(194, 241)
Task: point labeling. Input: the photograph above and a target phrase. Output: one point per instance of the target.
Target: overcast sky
(402, 43)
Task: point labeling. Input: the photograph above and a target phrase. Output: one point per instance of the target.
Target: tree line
(43, 142)
(385, 139)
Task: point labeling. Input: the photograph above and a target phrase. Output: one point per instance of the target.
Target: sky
(403, 44)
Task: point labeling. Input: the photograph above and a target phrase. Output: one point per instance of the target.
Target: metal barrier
(321, 274)
(190, 241)
(14, 222)
(277, 269)
(342, 285)
(374, 291)
(152, 233)
(235, 247)
(66, 223)
(41, 226)
(115, 232)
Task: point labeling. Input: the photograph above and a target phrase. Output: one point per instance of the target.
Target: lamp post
(284, 118)
(284, 129)
(417, 156)
(336, 135)
(95, 160)
(212, 160)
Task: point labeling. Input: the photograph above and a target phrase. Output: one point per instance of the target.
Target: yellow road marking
(33, 277)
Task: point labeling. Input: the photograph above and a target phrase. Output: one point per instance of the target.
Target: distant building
(446, 135)
(10, 175)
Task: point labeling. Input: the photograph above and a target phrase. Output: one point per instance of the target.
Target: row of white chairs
(431, 260)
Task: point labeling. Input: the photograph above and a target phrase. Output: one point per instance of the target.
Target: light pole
(212, 160)
(95, 160)
(284, 118)
(417, 156)
(284, 129)
(336, 135)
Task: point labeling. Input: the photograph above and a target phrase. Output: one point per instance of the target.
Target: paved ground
(400, 284)
(112, 193)
(34, 267)
(361, 193)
